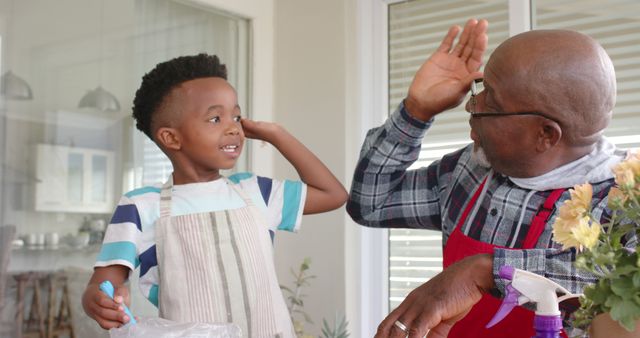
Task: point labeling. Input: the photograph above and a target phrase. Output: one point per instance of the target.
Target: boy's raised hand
(324, 191)
(260, 130)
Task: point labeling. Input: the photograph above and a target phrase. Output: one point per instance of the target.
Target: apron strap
(540, 220)
(471, 204)
(165, 197)
(247, 200)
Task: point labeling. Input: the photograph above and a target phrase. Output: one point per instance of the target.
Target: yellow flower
(562, 233)
(627, 172)
(578, 205)
(576, 233)
(617, 198)
(581, 195)
(586, 233)
(572, 226)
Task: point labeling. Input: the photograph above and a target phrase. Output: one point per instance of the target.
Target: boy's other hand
(108, 313)
(260, 130)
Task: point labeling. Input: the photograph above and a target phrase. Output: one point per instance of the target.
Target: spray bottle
(527, 287)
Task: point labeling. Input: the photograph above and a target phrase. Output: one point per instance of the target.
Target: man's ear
(168, 138)
(549, 135)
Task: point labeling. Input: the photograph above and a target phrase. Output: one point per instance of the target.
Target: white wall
(310, 101)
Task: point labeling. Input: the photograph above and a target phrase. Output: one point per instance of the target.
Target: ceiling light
(14, 87)
(100, 99)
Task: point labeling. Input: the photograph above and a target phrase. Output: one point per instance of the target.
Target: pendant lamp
(14, 87)
(100, 98)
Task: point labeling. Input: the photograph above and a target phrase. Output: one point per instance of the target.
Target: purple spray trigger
(508, 303)
(507, 272)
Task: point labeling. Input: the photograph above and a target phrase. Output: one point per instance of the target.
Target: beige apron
(218, 267)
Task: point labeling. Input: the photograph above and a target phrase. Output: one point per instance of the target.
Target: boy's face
(209, 128)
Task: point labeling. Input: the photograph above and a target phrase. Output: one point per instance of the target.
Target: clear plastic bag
(163, 328)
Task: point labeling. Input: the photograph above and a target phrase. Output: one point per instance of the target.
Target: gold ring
(401, 326)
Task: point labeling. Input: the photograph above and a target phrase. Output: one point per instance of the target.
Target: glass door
(68, 145)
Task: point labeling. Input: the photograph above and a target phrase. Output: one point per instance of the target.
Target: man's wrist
(483, 270)
(416, 111)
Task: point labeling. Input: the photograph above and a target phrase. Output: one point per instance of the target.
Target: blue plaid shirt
(385, 194)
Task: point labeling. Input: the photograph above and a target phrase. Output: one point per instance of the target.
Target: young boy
(202, 241)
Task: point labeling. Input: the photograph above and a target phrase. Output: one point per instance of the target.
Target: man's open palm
(443, 80)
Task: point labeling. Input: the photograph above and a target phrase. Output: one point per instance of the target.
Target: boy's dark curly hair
(157, 83)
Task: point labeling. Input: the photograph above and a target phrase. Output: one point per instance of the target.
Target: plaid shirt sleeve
(384, 193)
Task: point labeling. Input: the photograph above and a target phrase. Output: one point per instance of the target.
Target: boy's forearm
(116, 274)
(324, 191)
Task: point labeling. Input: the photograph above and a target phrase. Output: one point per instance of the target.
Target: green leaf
(339, 329)
(613, 301)
(626, 312)
(307, 318)
(623, 270)
(622, 287)
(306, 263)
(597, 293)
(326, 331)
(306, 278)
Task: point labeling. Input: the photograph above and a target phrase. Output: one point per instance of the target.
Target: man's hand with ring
(401, 326)
(433, 308)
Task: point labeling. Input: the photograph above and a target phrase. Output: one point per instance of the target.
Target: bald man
(537, 119)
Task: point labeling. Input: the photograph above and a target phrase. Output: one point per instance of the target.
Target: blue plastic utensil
(107, 288)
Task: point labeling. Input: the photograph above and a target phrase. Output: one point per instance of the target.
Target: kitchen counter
(43, 258)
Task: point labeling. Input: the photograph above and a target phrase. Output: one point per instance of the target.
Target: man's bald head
(562, 73)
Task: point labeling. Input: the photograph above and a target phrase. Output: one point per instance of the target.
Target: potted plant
(296, 307)
(615, 298)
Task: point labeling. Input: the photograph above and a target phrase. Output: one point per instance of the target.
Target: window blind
(615, 24)
(415, 31)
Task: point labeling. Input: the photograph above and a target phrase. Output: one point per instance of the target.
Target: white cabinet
(72, 179)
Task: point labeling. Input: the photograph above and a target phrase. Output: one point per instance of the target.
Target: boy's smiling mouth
(232, 150)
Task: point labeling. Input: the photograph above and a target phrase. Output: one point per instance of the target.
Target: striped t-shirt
(130, 237)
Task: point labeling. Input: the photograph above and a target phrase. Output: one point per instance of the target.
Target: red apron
(519, 323)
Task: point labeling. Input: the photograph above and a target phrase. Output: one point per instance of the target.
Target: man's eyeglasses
(477, 87)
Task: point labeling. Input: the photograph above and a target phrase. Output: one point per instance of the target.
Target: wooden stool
(33, 325)
(59, 315)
